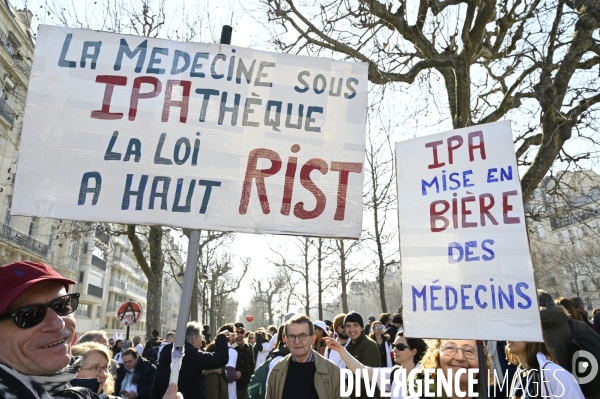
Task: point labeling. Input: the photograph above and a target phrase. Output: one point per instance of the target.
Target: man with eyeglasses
(304, 373)
(135, 378)
(37, 327)
(245, 361)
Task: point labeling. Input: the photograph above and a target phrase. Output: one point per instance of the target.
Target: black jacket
(391, 331)
(245, 364)
(143, 376)
(191, 382)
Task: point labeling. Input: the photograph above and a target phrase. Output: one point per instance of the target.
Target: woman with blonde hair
(453, 355)
(537, 375)
(96, 361)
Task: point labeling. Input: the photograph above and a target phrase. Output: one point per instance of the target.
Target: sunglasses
(241, 332)
(32, 315)
(401, 347)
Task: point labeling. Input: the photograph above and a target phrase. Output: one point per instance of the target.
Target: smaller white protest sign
(466, 265)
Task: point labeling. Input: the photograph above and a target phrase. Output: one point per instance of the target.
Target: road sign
(129, 313)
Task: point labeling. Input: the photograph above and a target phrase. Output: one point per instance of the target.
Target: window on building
(573, 286)
(99, 253)
(561, 238)
(541, 232)
(73, 249)
(584, 285)
(96, 279)
(84, 310)
(98, 309)
(7, 217)
(81, 274)
(551, 281)
(84, 248)
(589, 304)
(33, 226)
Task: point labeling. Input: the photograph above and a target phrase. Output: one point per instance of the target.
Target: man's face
(298, 348)
(239, 335)
(341, 332)
(111, 342)
(42, 349)
(136, 340)
(273, 331)
(353, 330)
(171, 339)
(130, 362)
(251, 338)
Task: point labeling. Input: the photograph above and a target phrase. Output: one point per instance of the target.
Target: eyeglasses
(32, 315)
(378, 328)
(96, 369)
(469, 352)
(401, 346)
(302, 337)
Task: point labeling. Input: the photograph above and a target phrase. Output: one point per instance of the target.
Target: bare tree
(265, 291)
(302, 268)
(380, 200)
(343, 249)
(495, 58)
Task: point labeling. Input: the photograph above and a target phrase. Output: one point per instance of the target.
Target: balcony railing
(117, 283)
(102, 236)
(136, 289)
(575, 217)
(6, 111)
(14, 54)
(99, 263)
(95, 291)
(23, 240)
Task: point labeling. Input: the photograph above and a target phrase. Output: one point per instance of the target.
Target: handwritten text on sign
(136, 130)
(466, 265)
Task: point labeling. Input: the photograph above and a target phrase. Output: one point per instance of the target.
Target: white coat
(556, 381)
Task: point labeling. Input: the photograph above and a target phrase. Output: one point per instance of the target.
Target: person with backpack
(537, 375)
(151, 349)
(258, 383)
(560, 332)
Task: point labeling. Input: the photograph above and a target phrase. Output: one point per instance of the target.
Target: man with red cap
(37, 327)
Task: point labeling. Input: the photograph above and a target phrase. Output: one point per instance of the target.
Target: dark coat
(143, 376)
(191, 382)
(245, 364)
(391, 332)
(366, 351)
(557, 334)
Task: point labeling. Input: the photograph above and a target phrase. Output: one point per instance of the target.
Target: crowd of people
(42, 358)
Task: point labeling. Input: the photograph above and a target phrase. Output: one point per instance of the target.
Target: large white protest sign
(129, 129)
(466, 265)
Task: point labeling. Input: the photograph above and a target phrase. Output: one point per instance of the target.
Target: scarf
(14, 385)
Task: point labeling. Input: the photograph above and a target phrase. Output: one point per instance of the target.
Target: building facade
(103, 265)
(564, 232)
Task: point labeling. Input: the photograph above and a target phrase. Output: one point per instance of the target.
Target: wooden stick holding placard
(190, 274)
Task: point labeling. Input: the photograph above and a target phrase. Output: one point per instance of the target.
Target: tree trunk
(343, 279)
(306, 279)
(319, 276)
(194, 304)
(381, 261)
(154, 296)
(211, 313)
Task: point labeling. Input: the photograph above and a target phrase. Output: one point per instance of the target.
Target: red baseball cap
(19, 276)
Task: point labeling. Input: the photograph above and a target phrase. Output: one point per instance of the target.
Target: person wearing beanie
(395, 327)
(363, 348)
(341, 337)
